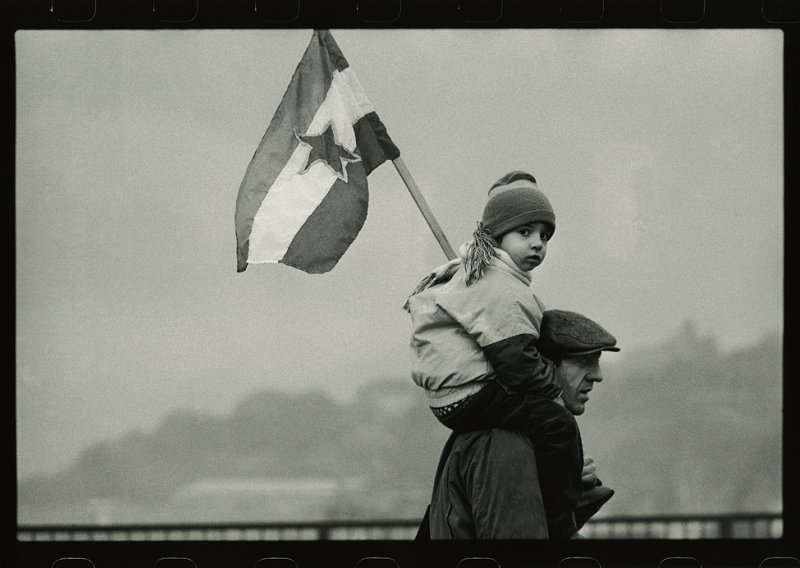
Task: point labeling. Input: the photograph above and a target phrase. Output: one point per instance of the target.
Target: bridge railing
(737, 526)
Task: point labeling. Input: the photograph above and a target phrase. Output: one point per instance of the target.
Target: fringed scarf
(476, 255)
(479, 254)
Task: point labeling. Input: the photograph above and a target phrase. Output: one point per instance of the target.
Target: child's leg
(459, 416)
(559, 452)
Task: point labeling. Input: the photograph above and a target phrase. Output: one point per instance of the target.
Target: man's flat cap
(565, 334)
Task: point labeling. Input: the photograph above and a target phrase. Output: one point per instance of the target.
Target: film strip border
(198, 14)
(389, 554)
(399, 13)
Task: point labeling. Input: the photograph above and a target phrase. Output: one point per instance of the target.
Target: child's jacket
(464, 336)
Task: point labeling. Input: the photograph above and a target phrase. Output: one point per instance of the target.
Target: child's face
(527, 245)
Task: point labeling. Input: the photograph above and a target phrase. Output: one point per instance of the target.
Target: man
(487, 483)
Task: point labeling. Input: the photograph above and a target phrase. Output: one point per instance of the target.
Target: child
(475, 328)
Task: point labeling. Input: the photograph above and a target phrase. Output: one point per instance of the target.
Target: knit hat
(565, 334)
(515, 200)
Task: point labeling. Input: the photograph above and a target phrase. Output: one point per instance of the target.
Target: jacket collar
(444, 272)
(504, 262)
(501, 261)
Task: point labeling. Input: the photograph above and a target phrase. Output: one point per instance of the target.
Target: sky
(661, 152)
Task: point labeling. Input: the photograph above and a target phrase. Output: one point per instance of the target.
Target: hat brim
(588, 352)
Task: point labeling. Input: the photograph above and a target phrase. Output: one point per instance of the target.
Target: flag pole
(416, 194)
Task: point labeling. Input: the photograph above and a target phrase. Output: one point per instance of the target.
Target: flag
(304, 198)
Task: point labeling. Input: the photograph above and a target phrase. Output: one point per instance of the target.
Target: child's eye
(524, 232)
(546, 236)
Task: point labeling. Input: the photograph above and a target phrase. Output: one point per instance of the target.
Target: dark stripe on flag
(334, 53)
(333, 226)
(374, 143)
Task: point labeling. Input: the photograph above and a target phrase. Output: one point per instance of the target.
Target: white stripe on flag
(353, 86)
(293, 198)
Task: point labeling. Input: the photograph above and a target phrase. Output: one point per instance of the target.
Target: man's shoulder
(496, 442)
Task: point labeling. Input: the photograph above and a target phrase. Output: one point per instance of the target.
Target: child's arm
(521, 367)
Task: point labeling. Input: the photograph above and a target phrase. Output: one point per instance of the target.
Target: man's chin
(577, 408)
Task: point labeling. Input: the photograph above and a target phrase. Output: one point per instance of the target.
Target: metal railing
(736, 526)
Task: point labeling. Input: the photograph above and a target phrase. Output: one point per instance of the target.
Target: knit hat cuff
(524, 218)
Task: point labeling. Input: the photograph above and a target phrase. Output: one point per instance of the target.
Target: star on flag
(304, 198)
(326, 150)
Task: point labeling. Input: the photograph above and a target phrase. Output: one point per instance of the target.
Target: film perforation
(781, 11)
(276, 562)
(176, 11)
(679, 562)
(277, 11)
(579, 562)
(174, 562)
(73, 11)
(377, 562)
(478, 562)
(582, 11)
(379, 11)
(481, 11)
(779, 562)
(683, 11)
(73, 563)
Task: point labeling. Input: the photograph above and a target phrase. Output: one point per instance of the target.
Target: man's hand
(595, 494)
(588, 476)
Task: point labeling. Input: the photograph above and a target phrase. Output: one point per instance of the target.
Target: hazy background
(661, 152)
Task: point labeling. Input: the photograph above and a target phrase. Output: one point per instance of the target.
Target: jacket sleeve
(504, 321)
(521, 367)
